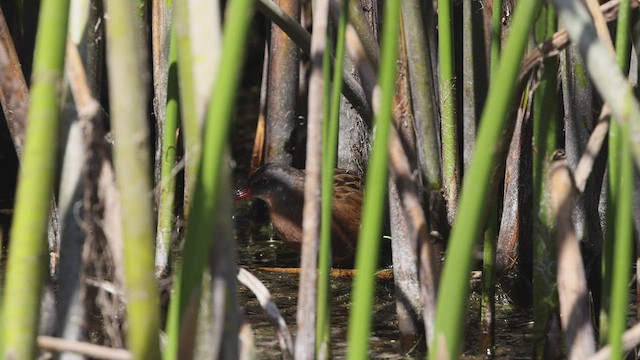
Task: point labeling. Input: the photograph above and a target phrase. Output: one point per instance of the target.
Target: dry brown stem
(14, 94)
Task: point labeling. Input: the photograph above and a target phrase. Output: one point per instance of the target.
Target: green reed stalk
(473, 202)
(28, 253)
(623, 247)
(613, 177)
(613, 185)
(545, 122)
(487, 304)
(200, 224)
(166, 203)
(132, 166)
(192, 146)
(330, 137)
(422, 91)
(190, 123)
(620, 204)
(449, 127)
(374, 201)
(323, 325)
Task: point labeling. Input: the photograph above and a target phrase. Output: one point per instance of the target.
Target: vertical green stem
(166, 203)
(623, 248)
(28, 253)
(545, 123)
(487, 306)
(422, 90)
(454, 289)
(332, 108)
(369, 238)
(189, 273)
(190, 122)
(132, 166)
(620, 205)
(323, 325)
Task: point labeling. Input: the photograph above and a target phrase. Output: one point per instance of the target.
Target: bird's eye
(264, 181)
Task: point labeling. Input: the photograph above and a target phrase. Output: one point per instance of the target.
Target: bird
(281, 187)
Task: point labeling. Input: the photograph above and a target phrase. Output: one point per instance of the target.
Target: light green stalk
(28, 253)
(374, 201)
(200, 230)
(545, 122)
(192, 147)
(623, 248)
(132, 165)
(166, 203)
(454, 288)
(422, 91)
(619, 205)
(487, 305)
(323, 325)
(190, 124)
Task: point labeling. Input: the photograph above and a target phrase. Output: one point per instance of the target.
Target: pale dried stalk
(86, 349)
(572, 281)
(306, 314)
(560, 40)
(630, 339)
(428, 271)
(89, 111)
(271, 309)
(594, 145)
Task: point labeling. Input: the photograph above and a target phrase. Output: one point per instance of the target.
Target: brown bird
(282, 187)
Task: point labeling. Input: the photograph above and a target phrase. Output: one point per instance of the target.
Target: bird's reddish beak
(243, 193)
